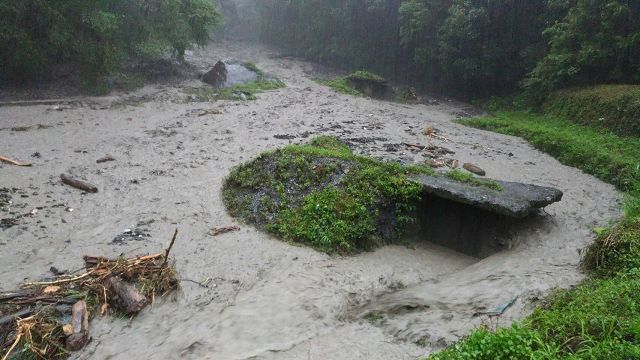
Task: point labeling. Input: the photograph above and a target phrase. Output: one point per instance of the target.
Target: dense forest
(466, 48)
(39, 38)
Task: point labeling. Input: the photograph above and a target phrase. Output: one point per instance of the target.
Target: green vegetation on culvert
(342, 84)
(322, 195)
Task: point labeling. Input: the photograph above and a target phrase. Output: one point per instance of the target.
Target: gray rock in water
(516, 200)
(217, 76)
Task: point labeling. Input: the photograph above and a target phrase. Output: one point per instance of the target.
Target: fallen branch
(223, 230)
(166, 254)
(13, 162)
(7, 319)
(105, 159)
(78, 184)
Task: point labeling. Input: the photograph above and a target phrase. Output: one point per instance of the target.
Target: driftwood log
(105, 159)
(11, 318)
(474, 169)
(13, 162)
(80, 326)
(78, 184)
(128, 297)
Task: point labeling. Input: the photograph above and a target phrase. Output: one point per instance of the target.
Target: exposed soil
(260, 297)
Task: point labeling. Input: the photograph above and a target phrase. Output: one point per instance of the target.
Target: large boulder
(217, 76)
(514, 199)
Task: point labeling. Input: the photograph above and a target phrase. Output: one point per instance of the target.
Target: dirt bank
(264, 298)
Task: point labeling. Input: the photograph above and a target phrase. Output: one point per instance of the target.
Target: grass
(343, 85)
(465, 177)
(612, 107)
(322, 195)
(610, 157)
(599, 318)
(340, 85)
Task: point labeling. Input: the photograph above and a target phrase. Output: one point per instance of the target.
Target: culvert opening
(461, 227)
(474, 219)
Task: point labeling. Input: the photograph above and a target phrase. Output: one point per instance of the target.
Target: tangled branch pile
(47, 320)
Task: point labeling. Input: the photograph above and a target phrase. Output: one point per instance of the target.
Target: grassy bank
(612, 107)
(600, 318)
(612, 158)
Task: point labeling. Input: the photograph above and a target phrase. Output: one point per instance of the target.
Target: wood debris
(13, 162)
(48, 319)
(474, 169)
(78, 184)
(223, 230)
(105, 159)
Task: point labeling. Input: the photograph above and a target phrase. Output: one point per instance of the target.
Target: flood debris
(13, 162)
(474, 169)
(223, 230)
(78, 184)
(130, 235)
(30, 127)
(49, 319)
(105, 159)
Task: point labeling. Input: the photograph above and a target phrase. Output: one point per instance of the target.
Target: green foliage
(343, 84)
(466, 48)
(599, 319)
(465, 177)
(598, 41)
(364, 75)
(323, 195)
(607, 156)
(617, 249)
(513, 343)
(340, 85)
(95, 37)
(612, 107)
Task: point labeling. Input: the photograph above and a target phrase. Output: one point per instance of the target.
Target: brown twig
(166, 254)
(13, 162)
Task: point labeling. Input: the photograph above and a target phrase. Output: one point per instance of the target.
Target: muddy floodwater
(246, 294)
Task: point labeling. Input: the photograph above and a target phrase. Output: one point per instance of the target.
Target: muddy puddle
(246, 294)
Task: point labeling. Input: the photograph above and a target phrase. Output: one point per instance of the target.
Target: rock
(515, 200)
(217, 76)
(474, 169)
(373, 87)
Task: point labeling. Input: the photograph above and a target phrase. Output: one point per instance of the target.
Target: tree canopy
(467, 48)
(96, 36)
